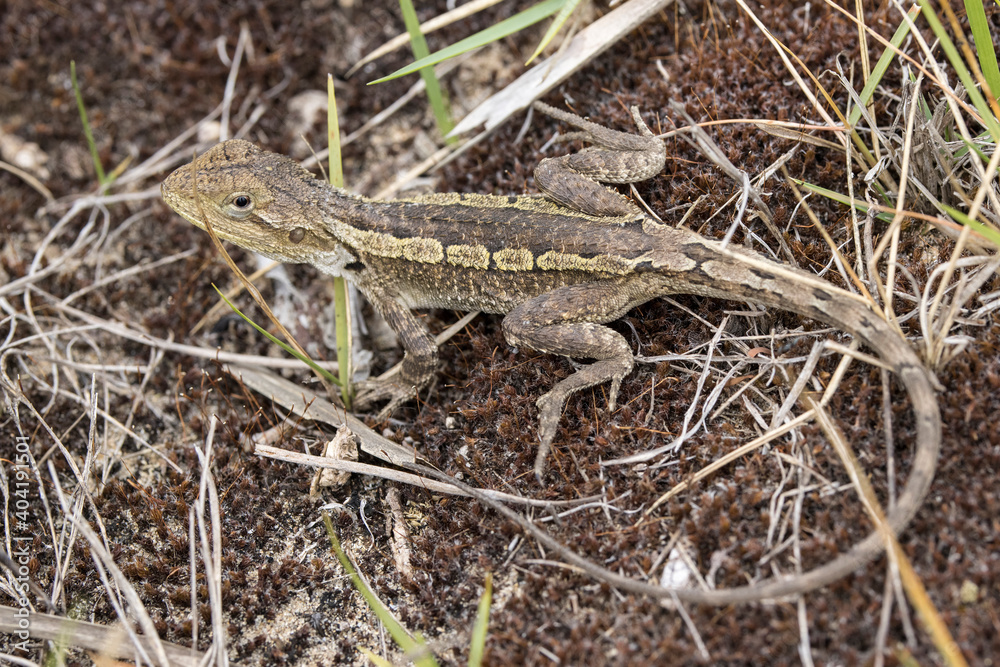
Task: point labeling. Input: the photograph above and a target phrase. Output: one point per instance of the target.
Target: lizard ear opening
(239, 205)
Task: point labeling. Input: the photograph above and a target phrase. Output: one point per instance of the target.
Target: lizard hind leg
(615, 157)
(551, 404)
(567, 321)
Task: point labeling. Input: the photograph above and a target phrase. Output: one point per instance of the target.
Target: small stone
(969, 592)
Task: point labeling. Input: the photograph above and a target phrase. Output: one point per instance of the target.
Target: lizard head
(258, 200)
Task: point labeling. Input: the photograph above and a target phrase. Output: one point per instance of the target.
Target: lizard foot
(550, 408)
(374, 391)
(550, 405)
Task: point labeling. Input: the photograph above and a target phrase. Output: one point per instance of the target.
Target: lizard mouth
(177, 193)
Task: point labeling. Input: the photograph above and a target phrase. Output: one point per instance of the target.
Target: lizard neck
(315, 228)
(359, 228)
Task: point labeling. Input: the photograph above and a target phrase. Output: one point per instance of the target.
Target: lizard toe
(374, 391)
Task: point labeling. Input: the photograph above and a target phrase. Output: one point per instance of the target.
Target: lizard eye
(239, 205)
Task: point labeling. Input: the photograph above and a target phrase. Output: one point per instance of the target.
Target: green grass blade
(341, 297)
(966, 146)
(976, 149)
(378, 660)
(284, 346)
(557, 23)
(333, 135)
(478, 644)
(955, 58)
(841, 198)
(399, 634)
(880, 67)
(506, 27)
(342, 326)
(989, 233)
(420, 52)
(980, 27)
(98, 167)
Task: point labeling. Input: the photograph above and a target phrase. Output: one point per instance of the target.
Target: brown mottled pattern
(525, 223)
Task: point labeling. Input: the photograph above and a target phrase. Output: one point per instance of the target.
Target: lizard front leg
(568, 321)
(420, 356)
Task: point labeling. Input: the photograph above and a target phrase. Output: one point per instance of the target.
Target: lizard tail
(727, 273)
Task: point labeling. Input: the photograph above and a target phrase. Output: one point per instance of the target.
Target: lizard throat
(337, 262)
